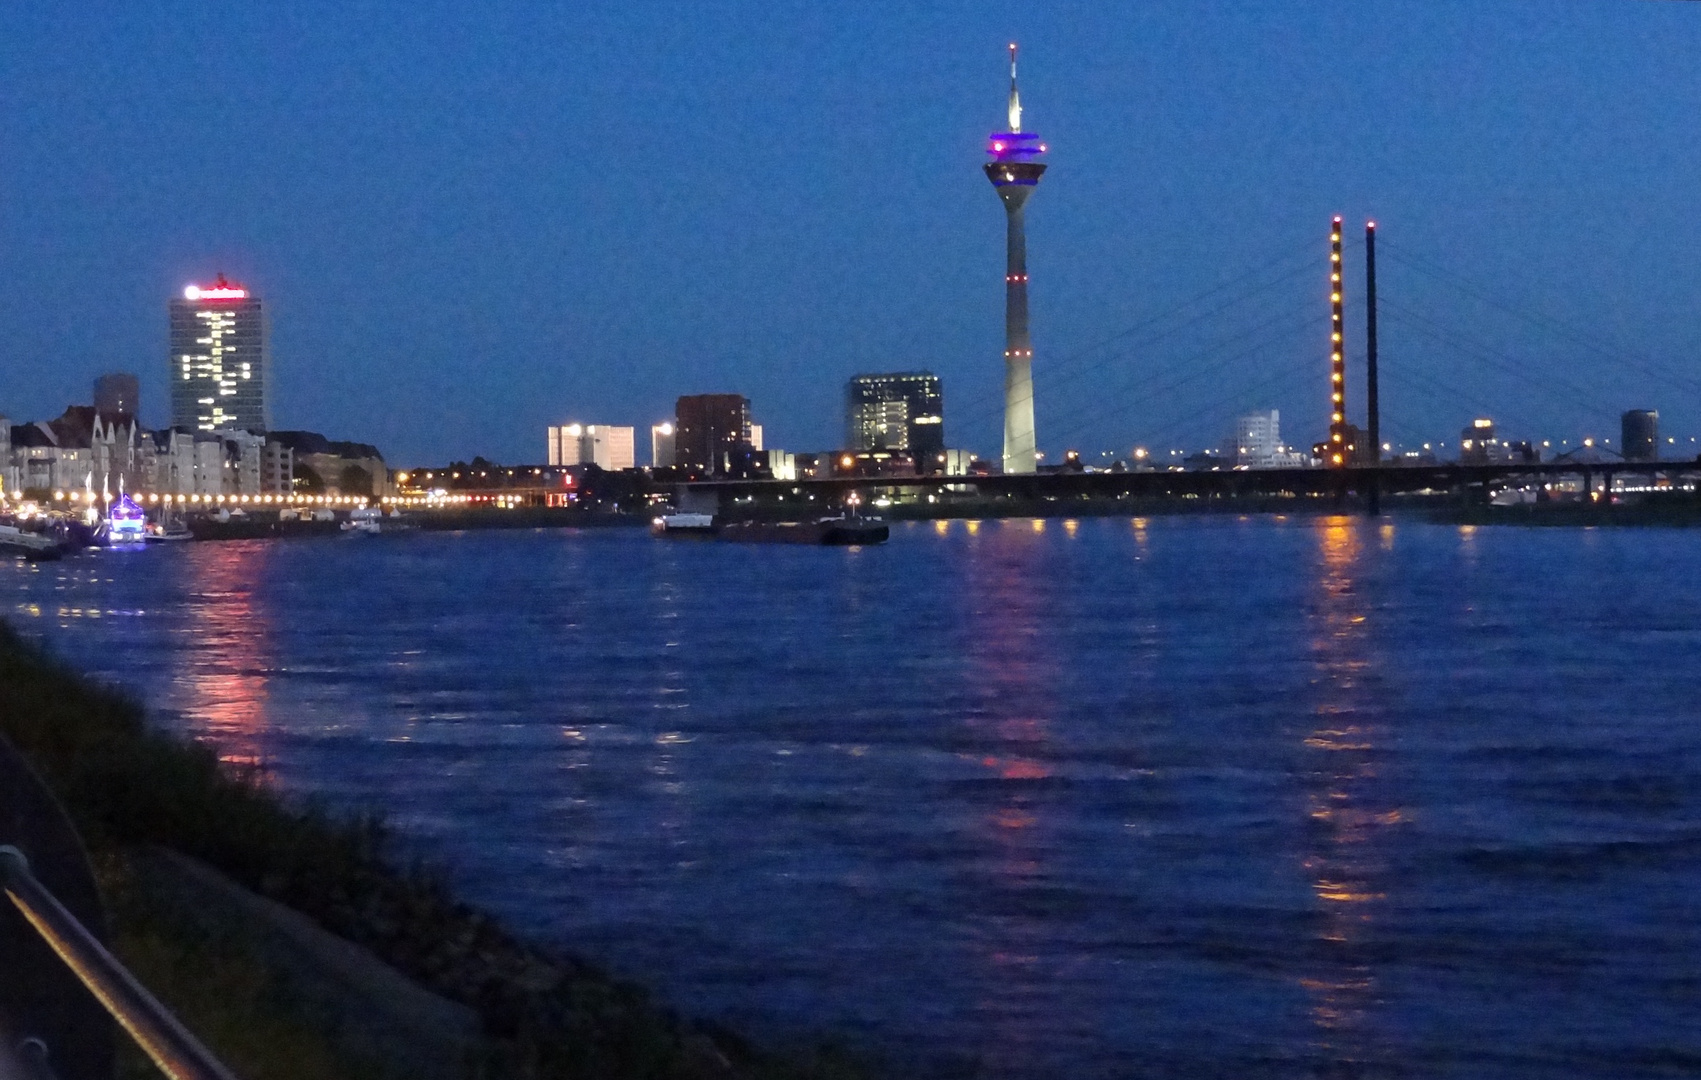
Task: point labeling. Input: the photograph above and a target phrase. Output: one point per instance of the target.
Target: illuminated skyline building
(661, 445)
(218, 359)
(609, 447)
(1015, 170)
(903, 411)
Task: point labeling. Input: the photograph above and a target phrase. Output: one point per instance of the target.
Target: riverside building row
(105, 453)
(88, 450)
(894, 426)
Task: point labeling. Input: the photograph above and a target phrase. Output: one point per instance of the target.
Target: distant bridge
(1226, 483)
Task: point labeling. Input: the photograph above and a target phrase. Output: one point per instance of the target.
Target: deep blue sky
(469, 221)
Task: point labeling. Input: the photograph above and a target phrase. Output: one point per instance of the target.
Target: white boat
(372, 521)
(684, 525)
(14, 541)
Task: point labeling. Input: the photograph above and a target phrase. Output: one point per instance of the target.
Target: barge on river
(836, 531)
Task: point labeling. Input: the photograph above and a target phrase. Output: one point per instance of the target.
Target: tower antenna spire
(1015, 98)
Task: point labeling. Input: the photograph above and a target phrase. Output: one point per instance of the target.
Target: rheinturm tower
(1015, 170)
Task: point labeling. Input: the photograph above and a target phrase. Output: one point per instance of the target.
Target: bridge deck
(1392, 479)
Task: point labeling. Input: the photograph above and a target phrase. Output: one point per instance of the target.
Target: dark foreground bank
(227, 901)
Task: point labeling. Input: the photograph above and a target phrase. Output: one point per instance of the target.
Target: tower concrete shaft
(1020, 447)
(1014, 171)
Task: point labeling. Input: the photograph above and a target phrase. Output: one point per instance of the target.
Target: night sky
(469, 221)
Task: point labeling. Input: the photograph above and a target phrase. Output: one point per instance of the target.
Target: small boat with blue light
(126, 523)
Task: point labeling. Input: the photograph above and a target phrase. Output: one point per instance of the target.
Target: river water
(1193, 796)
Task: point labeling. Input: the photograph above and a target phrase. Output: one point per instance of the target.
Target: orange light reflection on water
(1343, 862)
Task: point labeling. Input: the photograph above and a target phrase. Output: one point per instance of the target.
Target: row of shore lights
(222, 500)
(504, 501)
(153, 499)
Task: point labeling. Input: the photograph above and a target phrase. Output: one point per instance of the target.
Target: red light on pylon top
(1337, 219)
(1370, 224)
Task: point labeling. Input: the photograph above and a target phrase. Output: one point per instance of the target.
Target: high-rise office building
(218, 359)
(1258, 443)
(662, 453)
(712, 430)
(117, 394)
(902, 411)
(661, 445)
(1640, 431)
(1477, 443)
(1258, 439)
(602, 445)
(1015, 170)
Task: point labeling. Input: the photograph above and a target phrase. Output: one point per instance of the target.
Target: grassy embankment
(132, 791)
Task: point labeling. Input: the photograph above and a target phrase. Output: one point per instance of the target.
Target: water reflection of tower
(1345, 805)
(1015, 170)
(1010, 733)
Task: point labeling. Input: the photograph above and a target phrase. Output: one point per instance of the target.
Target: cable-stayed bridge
(1447, 350)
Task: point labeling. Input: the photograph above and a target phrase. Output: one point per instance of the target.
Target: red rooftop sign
(221, 291)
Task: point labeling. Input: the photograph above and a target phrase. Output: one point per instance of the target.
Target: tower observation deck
(1015, 170)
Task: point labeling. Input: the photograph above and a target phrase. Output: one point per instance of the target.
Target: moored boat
(684, 525)
(32, 546)
(855, 530)
(263, 527)
(372, 521)
(126, 523)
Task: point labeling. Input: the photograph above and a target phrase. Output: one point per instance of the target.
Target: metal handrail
(178, 1053)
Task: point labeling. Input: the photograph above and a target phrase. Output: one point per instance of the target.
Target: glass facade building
(218, 359)
(902, 411)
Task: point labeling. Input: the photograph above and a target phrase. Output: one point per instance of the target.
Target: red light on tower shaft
(1339, 450)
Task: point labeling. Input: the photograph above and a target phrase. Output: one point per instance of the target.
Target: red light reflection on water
(222, 681)
(1016, 768)
(1015, 668)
